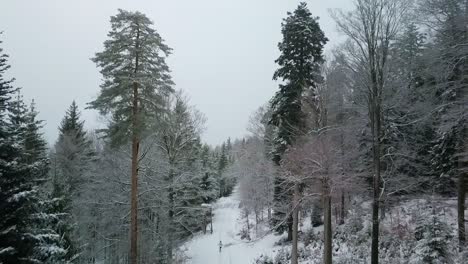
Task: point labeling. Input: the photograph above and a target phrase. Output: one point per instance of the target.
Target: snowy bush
(351, 241)
(394, 250)
(309, 237)
(283, 256)
(433, 237)
(263, 260)
(354, 223)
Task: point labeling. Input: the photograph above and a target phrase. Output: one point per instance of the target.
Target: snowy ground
(227, 223)
(203, 249)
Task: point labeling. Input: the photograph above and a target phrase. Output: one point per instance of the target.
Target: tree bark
(342, 213)
(295, 216)
(462, 173)
(135, 150)
(134, 191)
(247, 222)
(211, 220)
(327, 224)
(461, 207)
(376, 179)
(171, 222)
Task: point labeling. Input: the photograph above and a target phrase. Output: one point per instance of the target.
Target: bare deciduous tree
(372, 27)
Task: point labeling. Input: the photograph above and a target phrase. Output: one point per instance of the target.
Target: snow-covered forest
(361, 155)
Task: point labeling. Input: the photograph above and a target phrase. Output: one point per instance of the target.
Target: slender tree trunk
(337, 215)
(257, 218)
(461, 207)
(290, 223)
(376, 179)
(171, 225)
(327, 224)
(211, 220)
(135, 150)
(295, 216)
(205, 224)
(342, 213)
(462, 166)
(134, 192)
(171, 212)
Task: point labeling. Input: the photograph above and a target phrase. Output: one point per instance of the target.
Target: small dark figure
(220, 246)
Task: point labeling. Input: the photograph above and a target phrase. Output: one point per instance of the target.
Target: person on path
(220, 246)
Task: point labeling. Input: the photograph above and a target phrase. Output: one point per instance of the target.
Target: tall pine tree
(136, 80)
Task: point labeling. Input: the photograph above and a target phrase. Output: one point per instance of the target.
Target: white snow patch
(204, 249)
(17, 196)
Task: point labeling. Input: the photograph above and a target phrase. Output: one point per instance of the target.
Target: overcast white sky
(223, 52)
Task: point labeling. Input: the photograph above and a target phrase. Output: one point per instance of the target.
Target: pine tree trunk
(462, 167)
(327, 225)
(295, 216)
(461, 207)
(135, 150)
(134, 191)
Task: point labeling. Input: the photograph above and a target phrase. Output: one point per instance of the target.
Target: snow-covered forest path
(204, 249)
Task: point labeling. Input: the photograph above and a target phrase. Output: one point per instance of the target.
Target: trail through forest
(226, 227)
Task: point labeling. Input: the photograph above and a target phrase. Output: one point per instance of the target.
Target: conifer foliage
(136, 82)
(26, 235)
(432, 235)
(72, 159)
(300, 60)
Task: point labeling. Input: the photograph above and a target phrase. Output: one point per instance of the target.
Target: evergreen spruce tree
(300, 61)
(230, 157)
(179, 141)
(51, 247)
(209, 184)
(450, 158)
(25, 233)
(18, 112)
(73, 156)
(222, 165)
(14, 206)
(73, 151)
(432, 235)
(136, 80)
(189, 198)
(35, 145)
